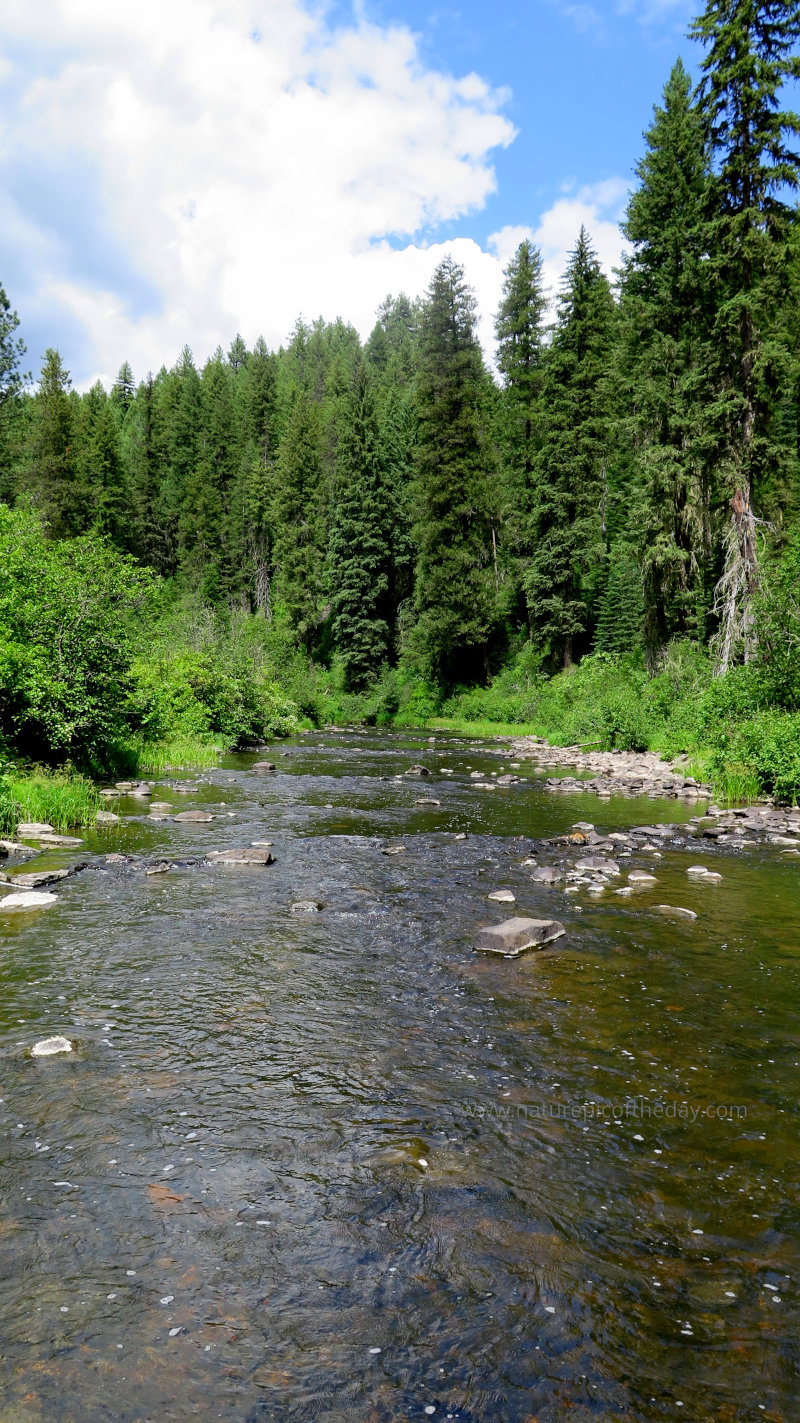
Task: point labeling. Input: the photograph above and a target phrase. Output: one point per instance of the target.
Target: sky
(176, 171)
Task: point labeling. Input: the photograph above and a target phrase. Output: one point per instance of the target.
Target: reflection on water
(336, 1166)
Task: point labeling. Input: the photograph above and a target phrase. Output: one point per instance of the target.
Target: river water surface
(337, 1166)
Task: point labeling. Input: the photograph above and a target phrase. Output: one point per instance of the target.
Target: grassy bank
(64, 799)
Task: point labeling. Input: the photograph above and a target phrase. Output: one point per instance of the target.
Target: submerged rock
(392, 849)
(641, 877)
(514, 936)
(674, 911)
(427, 802)
(34, 879)
(28, 899)
(246, 855)
(48, 1047)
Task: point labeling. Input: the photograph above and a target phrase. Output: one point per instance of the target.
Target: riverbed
(329, 1163)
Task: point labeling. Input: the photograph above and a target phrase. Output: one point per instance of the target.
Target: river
(334, 1165)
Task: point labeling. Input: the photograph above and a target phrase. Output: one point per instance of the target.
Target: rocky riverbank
(608, 773)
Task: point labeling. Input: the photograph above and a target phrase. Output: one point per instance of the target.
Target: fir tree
(566, 537)
(359, 555)
(124, 388)
(51, 475)
(519, 328)
(101, 467)
(12, 350)
(298, 521)
(663, 357)
(748, 59)
(454, 595)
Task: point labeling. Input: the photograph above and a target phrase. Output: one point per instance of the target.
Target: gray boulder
(247, 855)
(514, 936)
(194, 817)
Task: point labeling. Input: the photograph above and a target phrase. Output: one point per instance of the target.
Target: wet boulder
(547, 874)
(246, 855)
(263, 766)
(418, 771)
(598, 862)
(514, 936)
(49, 1047)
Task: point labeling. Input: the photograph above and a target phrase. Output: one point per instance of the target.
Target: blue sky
(177, 173)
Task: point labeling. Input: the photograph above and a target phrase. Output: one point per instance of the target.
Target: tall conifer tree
(571, 477)
(454, 592)
(359, 555)
(663, 356)
(749, 56)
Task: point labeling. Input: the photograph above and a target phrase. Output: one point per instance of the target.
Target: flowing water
(337, 1166)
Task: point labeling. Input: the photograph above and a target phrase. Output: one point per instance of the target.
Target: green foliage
(63, 799)
(65, 641)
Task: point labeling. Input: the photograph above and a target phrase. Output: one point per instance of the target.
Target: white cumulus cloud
(175, 172)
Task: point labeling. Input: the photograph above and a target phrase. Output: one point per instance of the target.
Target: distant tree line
(630, 476)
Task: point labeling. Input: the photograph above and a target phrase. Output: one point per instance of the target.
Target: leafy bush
(66, 610)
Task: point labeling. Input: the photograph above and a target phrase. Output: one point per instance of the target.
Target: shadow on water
(333, 1165)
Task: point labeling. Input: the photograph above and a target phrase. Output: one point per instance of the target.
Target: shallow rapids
(330, 1164)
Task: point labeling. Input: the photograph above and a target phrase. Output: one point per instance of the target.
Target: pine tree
(12, 350)
(101, 468)
(123, 390)
(298, 521)
(748, 59)
(620, 621)
(453, 488)
(359, 555)
(519, 328)
(51, 474)
(566, 536)
(663, 357)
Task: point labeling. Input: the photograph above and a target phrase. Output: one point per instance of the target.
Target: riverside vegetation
(601, 544)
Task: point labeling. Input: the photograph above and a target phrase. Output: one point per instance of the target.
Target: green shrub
(66, 612)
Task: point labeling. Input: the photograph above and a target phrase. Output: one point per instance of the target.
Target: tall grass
(179, 753)
(63, 799)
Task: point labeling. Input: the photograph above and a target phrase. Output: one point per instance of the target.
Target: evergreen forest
(596, 534)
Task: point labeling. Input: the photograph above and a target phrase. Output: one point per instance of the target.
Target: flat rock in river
(263, 766)
(514, 936)
(34, 828)
(547, 874)
(247, 855)
(194, 817)
(28, 899)
(502, 896)
(597, 862)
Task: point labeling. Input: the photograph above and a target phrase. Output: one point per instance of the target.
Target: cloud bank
(177, 172)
